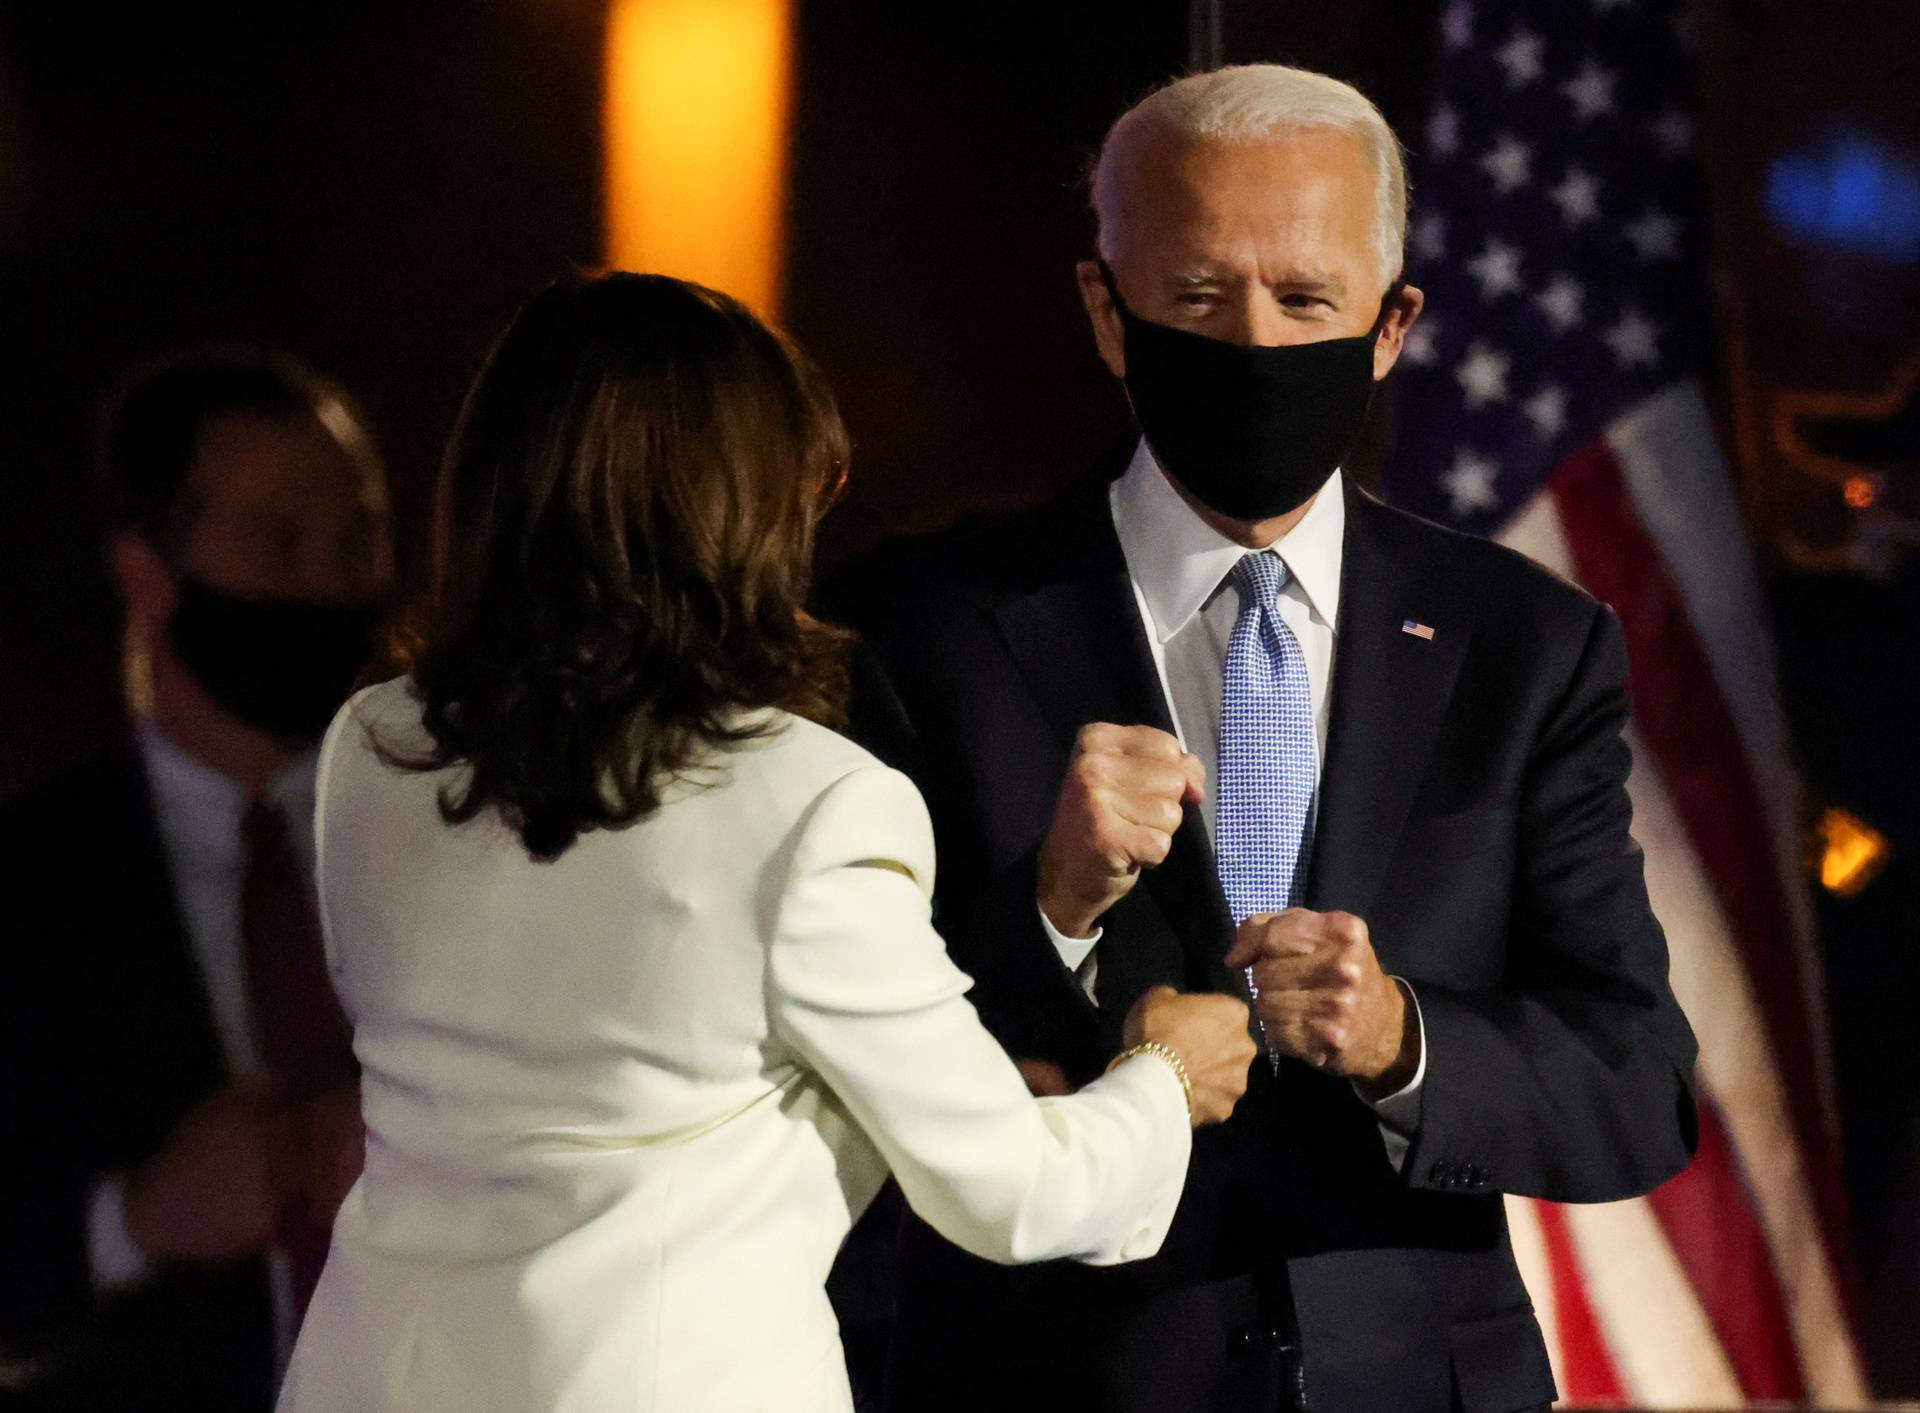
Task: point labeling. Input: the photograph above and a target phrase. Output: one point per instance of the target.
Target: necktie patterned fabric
(1266, 776)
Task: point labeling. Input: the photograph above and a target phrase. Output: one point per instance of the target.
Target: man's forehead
(1181, 196)
(255, 458)
(1167, 175)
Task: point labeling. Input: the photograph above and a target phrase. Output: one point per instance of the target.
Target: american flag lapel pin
(1417, 630)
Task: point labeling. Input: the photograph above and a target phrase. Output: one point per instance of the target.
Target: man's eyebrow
(1293, 281)
(1309, 282)
(1202, 275)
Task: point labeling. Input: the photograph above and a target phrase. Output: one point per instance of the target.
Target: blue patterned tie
(1264, 794)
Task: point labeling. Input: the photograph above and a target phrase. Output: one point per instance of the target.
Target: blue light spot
(1852, 192)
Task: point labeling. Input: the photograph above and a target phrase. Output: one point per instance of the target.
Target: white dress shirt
(199, 812)
(1181, 569)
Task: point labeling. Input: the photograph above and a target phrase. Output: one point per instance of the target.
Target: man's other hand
(1324, 999)
(209, 1194)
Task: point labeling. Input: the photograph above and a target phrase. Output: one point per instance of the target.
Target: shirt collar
(202, 804)
(1179, 560)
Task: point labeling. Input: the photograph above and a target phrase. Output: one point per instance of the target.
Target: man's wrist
(1073, 951)
(1065, 914)
(1402, 1061)
(1075, 926)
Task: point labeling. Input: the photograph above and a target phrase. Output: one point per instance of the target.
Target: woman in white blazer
(638, 952)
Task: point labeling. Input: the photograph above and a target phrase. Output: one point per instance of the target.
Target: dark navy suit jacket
(1472, 810)
(107, 1041)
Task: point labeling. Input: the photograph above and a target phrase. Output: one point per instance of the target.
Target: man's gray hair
(1248, 102)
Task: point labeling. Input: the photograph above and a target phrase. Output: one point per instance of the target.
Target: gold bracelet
(1165, 1052)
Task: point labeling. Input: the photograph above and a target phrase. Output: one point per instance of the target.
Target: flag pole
(1203, 34)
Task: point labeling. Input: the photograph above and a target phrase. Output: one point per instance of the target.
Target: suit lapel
(1082, 648)
(1390, 693)
(1080, 645)
(151, 1027)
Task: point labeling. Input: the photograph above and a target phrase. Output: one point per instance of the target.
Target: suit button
(1241, 1341)
(1441, 1174)
(1477, 1175)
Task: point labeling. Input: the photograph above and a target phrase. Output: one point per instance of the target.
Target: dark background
(376, 186)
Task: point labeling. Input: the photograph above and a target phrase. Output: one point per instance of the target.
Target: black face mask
(1251, 432)
(281, 665)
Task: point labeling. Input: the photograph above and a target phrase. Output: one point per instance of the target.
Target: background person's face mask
(283, 666)
(1251, 432)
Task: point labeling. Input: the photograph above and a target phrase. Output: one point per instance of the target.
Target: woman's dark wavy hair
(622, 551)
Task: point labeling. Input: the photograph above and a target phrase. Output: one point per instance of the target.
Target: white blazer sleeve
(860, 986)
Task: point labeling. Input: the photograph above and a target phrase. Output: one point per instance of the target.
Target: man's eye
(1195, 299)
(1303, 302)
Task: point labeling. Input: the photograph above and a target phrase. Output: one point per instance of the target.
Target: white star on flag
(1560, 302)
(1470, 483)
(1655, 236)
(1457, 25)
(1547, 410)
(1443, 132)
(1509, 164)
(1418, 347)
(1577, 196)
(1522, 57)
(1482, 375)
(1673, 130)
(1497, 268)
(1634, 341)
(1590, 91)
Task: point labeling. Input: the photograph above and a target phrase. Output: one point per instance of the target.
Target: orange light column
(697, 99)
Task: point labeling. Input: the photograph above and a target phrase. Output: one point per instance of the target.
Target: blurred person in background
(182, 1100)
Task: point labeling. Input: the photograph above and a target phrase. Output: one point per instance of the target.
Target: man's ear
(1108, 337)
(145, 582)
(1401, 316)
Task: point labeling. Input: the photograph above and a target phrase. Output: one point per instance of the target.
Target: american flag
(1549, 398)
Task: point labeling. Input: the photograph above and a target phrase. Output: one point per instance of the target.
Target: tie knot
(1260, 577)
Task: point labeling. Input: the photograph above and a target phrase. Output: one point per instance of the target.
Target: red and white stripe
(1730, 1284)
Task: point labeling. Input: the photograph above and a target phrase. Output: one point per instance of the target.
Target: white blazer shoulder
(622, 1107)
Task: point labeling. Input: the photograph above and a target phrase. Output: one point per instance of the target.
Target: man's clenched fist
(1116, 815)
(1324, 999)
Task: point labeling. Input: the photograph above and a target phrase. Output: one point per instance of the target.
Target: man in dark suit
(181, 1103)
(1365, 771)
